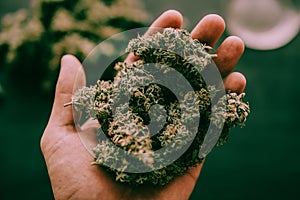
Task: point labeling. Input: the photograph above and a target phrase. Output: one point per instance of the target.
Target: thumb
(71, 77)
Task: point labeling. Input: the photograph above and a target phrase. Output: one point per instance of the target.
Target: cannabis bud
(160, 111)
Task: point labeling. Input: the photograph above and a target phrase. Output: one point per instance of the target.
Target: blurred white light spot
(262, 24)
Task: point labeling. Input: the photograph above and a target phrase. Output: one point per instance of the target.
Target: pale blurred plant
(126, 123)
(33, 41)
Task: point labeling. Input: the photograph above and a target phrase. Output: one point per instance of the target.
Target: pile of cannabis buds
(126, 107)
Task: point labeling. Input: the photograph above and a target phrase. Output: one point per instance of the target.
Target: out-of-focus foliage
(33, 41)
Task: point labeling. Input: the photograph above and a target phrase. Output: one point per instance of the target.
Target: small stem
(68, 104)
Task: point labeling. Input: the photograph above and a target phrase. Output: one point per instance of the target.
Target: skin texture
(68, 162)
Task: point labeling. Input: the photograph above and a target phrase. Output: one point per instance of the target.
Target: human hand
(68, 162)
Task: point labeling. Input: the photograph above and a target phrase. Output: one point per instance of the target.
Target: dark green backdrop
(260, 161)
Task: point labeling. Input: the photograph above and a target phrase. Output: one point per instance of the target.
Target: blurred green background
(260, 161)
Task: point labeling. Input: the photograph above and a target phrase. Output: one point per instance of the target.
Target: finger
(228, 54)
(71, 77)
(235, 82)
(170, 18)
(209, 30)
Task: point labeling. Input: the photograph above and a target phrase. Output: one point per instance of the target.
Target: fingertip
(229, 53)
(67, 56)
(69, 61)
(238, 43)
(175, 17)
(215, 18)
(71, 74)
(209, 29)
(169, 18)
(235, 82)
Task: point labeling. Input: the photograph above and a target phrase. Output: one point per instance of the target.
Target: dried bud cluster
(147, 108)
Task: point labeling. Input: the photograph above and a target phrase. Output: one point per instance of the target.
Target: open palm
(68, 162)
